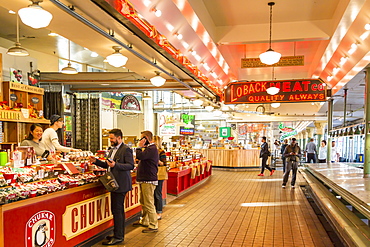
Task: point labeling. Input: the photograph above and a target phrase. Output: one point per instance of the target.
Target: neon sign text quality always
(307, 90)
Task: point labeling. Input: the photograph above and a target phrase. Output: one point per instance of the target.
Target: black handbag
(109, 181)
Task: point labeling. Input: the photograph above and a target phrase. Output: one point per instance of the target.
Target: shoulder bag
(162, 173)
(109, 181)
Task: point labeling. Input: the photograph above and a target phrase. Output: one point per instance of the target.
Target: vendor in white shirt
(50, 137)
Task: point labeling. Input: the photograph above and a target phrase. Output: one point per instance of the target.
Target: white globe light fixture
(157, 80)
(117, 59)
(198, 102)
(273, 90)
(189, 125)
(209, 108)
(275, 105)
(217, 113)
(270, 56)
(35, 16)
(201, 127)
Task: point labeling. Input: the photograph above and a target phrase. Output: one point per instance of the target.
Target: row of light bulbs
(352, 49)
(36, 17)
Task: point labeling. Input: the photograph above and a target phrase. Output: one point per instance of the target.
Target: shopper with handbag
(162, 175)
(264, 154)
(293, 155)
(120, 161)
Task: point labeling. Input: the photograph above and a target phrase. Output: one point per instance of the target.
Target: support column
(149, 114)
(320, 129)
(367, 123)
(330, 127)
(304, 139)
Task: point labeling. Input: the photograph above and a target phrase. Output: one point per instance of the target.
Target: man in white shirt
(50, 137)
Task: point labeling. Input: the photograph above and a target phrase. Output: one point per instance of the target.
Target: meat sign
(307, 90)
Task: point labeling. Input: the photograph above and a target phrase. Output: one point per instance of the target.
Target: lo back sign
(306, 90)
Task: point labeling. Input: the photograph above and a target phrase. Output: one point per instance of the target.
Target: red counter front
(181, 180)
(63, 218)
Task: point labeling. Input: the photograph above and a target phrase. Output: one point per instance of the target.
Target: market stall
(61, 211)
(238, 158)
(188, 174)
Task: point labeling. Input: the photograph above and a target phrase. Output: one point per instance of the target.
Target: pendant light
(275, 105)
(17, 49)
(69, 69)
(117, 59)
(273, 90)
(270, 56)
(197, 102)
(35, 16)
(146, 97)
(157, 80)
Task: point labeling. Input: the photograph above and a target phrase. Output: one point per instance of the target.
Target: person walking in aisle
(264, 154)
(282, 150)
(120, 161)
(311, 151)
(293, 155)
(334, 153)
(162, 175)
(147, 179)
(322, 152)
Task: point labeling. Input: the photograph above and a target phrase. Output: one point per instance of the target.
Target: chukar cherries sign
(40, 229)
(306, 90)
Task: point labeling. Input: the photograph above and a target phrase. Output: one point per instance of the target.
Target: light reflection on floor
(265, 180)
(269, 204)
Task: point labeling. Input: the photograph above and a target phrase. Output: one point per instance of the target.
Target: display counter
(233, 158)
(62, 218)
(181, 179)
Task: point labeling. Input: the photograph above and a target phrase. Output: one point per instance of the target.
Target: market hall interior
(191, 69)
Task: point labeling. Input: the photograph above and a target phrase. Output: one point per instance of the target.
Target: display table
(63, 218)
(180, 180)
(239, 158)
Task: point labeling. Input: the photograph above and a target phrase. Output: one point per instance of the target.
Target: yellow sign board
(284, 61)
(26, 88)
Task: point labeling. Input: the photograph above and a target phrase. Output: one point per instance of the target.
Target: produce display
(29, 182)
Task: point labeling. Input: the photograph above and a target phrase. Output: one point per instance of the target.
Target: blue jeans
(158, 201)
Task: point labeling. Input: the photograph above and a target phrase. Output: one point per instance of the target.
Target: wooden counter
(239, 158)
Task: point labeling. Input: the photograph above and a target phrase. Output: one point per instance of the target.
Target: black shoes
(112, 241)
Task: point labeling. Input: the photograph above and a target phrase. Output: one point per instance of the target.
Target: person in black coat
(264, 154)
(120, 162)
(282, 150)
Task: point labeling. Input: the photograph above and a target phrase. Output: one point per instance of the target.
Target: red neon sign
(307, 90)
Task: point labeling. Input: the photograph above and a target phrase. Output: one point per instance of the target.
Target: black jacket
(264, 150)
(121, 171)
(148, 165)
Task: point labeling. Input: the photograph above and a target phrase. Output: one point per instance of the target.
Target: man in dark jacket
(293, 155)
(120, 161)
(147, 178)
(264, 154)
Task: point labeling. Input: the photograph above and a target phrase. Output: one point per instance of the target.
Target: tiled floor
(236, 209)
